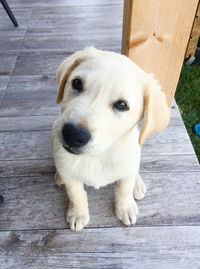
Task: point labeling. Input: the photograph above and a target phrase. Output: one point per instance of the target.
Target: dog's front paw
(140, 189)
(77, 220)
(127, 213)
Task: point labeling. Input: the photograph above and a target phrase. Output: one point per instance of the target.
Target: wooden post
(156, 35)
(194, 36)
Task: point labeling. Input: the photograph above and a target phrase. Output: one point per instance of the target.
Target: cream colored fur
(113, 154)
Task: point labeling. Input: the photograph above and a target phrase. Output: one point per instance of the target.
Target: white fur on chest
(120, 161)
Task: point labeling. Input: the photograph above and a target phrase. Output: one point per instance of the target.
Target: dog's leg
(140, 188)
(78, 214)
(125, 206)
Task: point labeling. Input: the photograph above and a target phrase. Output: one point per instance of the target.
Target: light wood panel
(156, 35)
(115, 248)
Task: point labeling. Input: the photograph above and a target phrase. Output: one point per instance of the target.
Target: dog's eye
(77, 84)
(121, 105)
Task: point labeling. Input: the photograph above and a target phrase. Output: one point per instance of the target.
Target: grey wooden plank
(25, 145)
(68, 41)
(42, 62)
(34, 94)
(26, 123)
(22, 15)
(85, 26)
(7, 60)
(27, 167)
(1, 97)
(143, 247)
(3, 83)
(171, 141)
(22, 4)
(36, 144)
(172, 199)
(81, 11)
(149, 164)
(38, 83)
(11, 40)
(169, 163)
(32, 103)
(62, 3)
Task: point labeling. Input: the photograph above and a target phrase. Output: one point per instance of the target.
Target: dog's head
(103, 96)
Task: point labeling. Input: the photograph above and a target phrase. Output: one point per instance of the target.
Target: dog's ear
(156, 110)
(67, 66)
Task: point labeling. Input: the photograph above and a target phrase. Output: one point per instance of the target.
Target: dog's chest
(99, 172)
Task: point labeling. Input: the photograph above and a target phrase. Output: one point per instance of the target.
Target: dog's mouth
(70, 150)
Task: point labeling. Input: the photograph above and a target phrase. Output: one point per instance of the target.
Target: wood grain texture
(66, 41)
(7, 60)
(169, 163)
(88, 26)
(33, 94)
(27, 123)
(21, 4)
(126, 31)
(77, 3)
(42, 62)
(172, 199)
(27, 168)
(3, 83)
(81, 11)
(11, 40)
(37, 83)
(62, 3)
(160, 35)
(194, 35)
(16, 103)
(1, 97)
(143, 247)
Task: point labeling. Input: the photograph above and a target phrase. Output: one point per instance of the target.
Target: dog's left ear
(68, 65)
(156, 110)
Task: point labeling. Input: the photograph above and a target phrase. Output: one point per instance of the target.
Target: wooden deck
(33, 231)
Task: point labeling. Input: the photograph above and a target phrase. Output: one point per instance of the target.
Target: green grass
(188, 100)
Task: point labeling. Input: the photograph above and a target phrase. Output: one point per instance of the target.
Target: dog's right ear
(67, 66)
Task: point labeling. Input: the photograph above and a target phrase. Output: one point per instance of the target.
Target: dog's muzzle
(74, 137)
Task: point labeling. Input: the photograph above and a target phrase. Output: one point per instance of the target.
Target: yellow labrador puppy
(96, 140)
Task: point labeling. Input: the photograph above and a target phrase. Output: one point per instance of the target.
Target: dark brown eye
(77, 84)
(121, 105)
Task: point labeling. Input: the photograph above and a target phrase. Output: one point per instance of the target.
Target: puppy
(96, 139)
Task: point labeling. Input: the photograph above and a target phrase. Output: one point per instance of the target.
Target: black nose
(75, 136)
